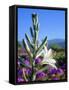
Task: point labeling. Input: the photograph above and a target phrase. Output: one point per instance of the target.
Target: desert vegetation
(37, 62)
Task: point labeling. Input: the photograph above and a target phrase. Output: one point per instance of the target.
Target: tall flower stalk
(34, 50)
(31, 45)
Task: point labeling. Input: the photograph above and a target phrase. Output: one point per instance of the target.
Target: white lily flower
(48, 57)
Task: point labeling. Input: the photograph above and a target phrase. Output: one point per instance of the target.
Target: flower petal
(49, 53)
(47, 60)
(46, 50)
(53, 65)
(51, 61)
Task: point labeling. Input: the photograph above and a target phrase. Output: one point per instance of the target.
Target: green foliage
(56, 47)
(31, 31)
(59, 55)
(58, 52)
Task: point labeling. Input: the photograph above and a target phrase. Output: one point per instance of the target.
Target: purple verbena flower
(20, 72)
(60, 71)
(28, 71)
(37, 60)
(20, 79)
(26, 62)
(55, 78)
(40, 75)
(53, 71)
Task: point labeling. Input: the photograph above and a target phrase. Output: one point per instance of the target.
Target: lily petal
(53, 65)
(49, 53)
(51, 61)
(45, 49)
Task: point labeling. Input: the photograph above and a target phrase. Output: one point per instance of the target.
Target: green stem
(25, 78)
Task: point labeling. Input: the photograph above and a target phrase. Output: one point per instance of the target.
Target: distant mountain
(59, 42)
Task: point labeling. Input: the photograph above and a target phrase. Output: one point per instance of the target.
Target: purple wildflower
(60, 71)
(28, 71)
(37, 60)
(40, 75)
(20, 72)
(20, 79)
(53, 71)
(26, 62)
(55, 78)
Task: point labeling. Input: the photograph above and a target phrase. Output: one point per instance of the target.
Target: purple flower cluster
(50, 74)
(56, 74)
(58, 71)
(40, 75)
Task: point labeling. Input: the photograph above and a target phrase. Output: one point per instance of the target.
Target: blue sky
(52, 23)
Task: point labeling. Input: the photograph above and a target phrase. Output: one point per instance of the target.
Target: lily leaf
(24, 75)
(42, 45)
(28, 50)
(35, 22)
(31, 31)
(43, 69)
(34, 19)
(28, 41)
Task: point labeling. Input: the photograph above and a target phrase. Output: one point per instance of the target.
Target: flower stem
(24, 75)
